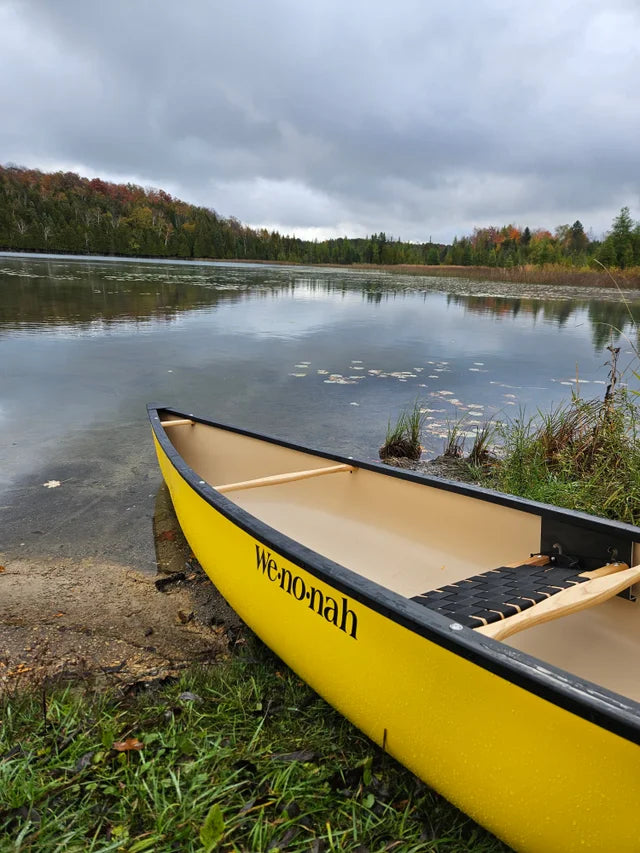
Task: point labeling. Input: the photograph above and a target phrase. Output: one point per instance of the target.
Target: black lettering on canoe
(286, 579)
(265, 561)
(272, 566)
(343, 617)
(261, 558)
(299, 588)
(316, 595)
(331, 610)
(346, 613)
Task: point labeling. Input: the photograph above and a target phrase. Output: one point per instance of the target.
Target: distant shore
(552, 274)
(549, 274)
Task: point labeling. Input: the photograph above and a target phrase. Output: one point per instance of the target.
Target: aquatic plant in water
(403, 439)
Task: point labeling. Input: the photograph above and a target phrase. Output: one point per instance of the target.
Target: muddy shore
(104, 623)
(65, 619)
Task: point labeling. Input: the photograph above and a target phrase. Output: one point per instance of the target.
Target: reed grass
(481, 451)
(403, 438)
(550, 274)
(583, 455)
(455, 440)
(241, 756)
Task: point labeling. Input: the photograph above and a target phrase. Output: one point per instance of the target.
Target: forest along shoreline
(66, 213)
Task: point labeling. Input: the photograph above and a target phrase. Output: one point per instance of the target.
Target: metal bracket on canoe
(592, 548)
(558, 558)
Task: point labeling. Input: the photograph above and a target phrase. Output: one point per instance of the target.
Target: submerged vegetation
(241, 756)
(63, 212)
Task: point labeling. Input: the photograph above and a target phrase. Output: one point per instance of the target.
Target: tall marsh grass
(403, 438)
(583, 455)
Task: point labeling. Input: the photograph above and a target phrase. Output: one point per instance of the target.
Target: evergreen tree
(621, 236)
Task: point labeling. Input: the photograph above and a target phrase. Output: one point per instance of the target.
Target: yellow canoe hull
(473, 719)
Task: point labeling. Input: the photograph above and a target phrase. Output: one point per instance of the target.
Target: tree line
(63, 212)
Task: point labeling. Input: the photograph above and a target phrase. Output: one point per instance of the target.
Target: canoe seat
(499, 593)
(503, 601)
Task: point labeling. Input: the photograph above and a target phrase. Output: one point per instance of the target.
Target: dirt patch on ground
(63, 619)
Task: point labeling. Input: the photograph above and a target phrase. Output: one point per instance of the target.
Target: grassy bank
(548, 274)
(240, 756)
(583, 455)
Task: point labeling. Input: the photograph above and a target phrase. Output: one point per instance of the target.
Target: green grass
(583, 455)
(256, 762)
(403, 438)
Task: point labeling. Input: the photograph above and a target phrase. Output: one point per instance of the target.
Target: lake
(323, 357)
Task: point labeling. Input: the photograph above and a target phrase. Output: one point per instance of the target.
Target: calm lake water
(318, 356)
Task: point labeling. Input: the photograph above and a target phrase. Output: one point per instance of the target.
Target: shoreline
(98, 623)
(550, 275)
(104, 624)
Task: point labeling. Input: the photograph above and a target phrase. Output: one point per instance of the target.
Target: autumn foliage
(63, 212)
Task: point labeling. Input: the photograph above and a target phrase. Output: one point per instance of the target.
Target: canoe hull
(537, 775)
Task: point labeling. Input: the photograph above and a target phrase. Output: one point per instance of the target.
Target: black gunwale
(611, 711)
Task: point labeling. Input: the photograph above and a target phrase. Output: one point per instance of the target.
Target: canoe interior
(412, 538)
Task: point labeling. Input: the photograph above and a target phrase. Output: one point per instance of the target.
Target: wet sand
(106, 622)
(70, 619)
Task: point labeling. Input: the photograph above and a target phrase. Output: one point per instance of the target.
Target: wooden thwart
(177, 422)
(543, 560)
(603, 584)
(533, 560)
(276, 479)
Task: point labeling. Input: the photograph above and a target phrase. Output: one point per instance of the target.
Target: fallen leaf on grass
(127, 745)
(188, 696)
(168, 535)
(300, 755)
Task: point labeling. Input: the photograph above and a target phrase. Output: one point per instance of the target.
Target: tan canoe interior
(411, 538)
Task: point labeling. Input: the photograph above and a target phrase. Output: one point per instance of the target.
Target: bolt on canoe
(489, 643)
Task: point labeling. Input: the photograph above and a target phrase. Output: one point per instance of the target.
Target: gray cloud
(324, 118)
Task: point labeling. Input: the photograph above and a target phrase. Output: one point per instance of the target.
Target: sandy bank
(66, 619)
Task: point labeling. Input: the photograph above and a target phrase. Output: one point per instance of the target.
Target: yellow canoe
(489, 643)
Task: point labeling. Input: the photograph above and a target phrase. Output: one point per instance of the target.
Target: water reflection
(96, 294)
(320, 357)
(323, 357)
(40, 293)
(608, 319)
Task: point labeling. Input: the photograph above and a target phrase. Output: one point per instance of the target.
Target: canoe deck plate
(594, 546)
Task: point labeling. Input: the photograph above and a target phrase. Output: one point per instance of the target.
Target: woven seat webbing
(499, 593)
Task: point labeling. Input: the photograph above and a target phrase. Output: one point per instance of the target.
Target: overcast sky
(333, 117)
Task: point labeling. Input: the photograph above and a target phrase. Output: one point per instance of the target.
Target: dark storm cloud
(415, 118)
